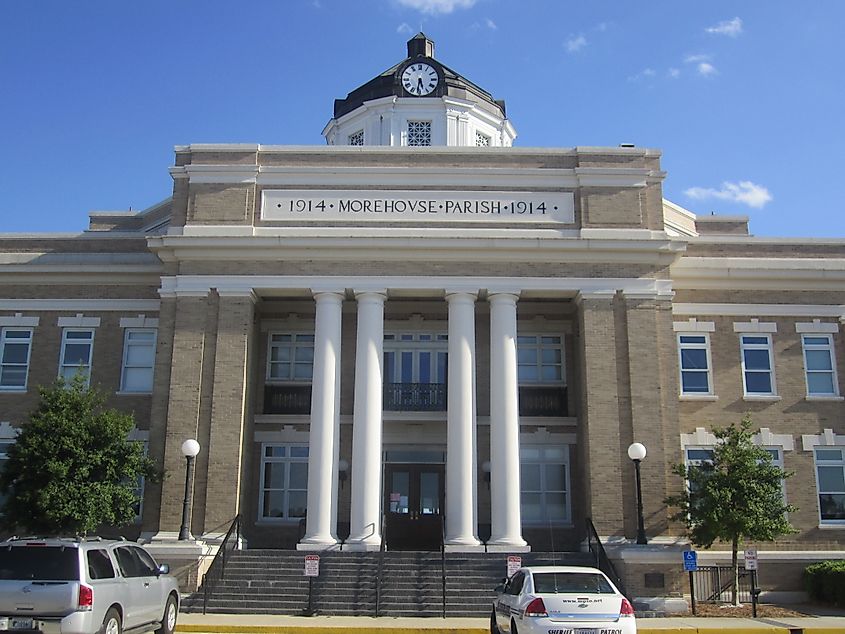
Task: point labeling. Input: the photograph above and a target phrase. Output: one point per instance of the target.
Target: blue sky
(745, 99)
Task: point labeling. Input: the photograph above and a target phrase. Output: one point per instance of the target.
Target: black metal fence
(713, 584)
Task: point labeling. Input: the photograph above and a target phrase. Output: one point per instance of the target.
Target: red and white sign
(514, 564)
(751, 559)
(312, 565)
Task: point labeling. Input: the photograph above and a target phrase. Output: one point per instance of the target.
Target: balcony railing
(541, 400)
(287, 399)
(415, 397)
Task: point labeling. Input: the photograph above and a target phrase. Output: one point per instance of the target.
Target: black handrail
(381, 550)
(217, 568)
(443, 561)
(603, 562)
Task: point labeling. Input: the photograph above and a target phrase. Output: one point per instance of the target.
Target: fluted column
(460, 455)
(365, 514)
(506, 533)
(325, 419)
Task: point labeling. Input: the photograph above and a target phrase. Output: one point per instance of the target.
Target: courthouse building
(419, 322)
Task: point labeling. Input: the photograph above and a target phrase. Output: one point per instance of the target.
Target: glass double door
(414, 500)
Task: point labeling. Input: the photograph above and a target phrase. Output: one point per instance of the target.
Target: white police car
(561, 600)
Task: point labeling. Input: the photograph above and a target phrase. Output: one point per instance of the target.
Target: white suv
(76, 586)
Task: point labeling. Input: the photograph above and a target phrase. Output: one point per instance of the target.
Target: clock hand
(419, 84)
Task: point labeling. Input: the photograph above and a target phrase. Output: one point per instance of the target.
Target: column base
(362, 547)
(508, 548)
(464, 548)
(317, 546)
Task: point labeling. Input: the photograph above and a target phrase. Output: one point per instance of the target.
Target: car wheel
(168, 620)
(112, 623)
(494, 629)
(513, 627)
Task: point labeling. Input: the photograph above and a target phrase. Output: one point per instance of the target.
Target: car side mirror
(164, 569)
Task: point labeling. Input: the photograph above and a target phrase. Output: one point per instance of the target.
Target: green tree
(72, 467)
(735, 497)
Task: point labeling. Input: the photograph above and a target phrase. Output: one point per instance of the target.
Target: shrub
(825, 582)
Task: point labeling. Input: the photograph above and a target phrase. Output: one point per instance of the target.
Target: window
(544, 475)
(819, 365)
(135, 562)
(99, 565)
(138, 360)
(5, 443)
(696, 456)
(77, 346)
(356, 138)
(481, 140)
(415, 357)
(758, 374)
(15, 344)
(694, 357)
(284, 482)
(419, 133)
(830, 480)
(540, 358)
(291, 357)
(138, 490)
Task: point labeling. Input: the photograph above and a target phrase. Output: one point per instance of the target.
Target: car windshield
(39, 563)
(557, 582)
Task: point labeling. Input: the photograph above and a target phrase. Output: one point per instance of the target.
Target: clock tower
(420, 102)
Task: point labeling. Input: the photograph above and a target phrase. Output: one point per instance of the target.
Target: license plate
(15, 623)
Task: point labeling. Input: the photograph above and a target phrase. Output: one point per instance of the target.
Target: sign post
(691, 565)
(312, 569)
(751, 566)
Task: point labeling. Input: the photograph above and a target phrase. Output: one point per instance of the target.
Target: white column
(506, 530)
(460, 421)
(365, 515)
(323, 440)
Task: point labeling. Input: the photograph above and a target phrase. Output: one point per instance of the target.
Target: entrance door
(414, 496)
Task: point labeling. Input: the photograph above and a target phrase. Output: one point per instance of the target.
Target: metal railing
(543, 400)
(381, 549)
(287, 399)
(603, 562)
(217, 568)
(443, 562)
(713, 584)
(415, 397)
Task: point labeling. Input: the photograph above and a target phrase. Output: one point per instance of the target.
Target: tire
(168, 619)
(494, 629)
(513, 627)
(112, 624)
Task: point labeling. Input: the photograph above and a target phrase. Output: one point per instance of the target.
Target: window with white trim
(419, 133)
(356, 138)
(138, 490)
(77, 350)
(694, 363)
(820, 365)
(544, 483)
(757, 367)
(5, 443)
(284, 482)
(830, 484)
(415, 357)
(696, 456)
(139, 345)
(540, 359)
(290, 357)
(15, 348)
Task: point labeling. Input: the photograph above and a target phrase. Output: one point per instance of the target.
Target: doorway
(414, 504)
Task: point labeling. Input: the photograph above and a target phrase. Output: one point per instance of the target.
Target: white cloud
(575, 43)
(706, 69)
(702, 64)
(731, 28)
(486, 23)
(646, 73)
(434, 7)
(694, 59)
(490, 24)
(673, 73)
(744, 193)
(405, 28)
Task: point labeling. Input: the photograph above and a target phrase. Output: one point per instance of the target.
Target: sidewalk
(271, 624)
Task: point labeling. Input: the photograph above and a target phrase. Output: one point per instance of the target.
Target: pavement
(272, 624)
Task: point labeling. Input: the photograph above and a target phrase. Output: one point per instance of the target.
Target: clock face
(419, 79)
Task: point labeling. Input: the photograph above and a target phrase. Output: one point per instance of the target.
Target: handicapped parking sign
(690, 560)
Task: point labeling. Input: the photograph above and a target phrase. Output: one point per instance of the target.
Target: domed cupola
(419, 102)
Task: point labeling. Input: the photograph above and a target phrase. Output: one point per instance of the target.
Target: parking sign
(690, 560)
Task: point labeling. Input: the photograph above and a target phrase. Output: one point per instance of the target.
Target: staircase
(273, 582)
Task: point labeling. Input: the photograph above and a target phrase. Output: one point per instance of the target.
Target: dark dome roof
(387, 84)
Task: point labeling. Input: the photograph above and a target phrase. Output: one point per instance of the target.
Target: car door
(508, 603)
(134, 600)
(152, 587)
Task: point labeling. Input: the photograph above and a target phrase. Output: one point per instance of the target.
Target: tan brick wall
(216, 204)
(611, 207)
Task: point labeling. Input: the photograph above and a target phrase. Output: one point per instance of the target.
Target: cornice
(762, 310)
(81, 305)
(699, 273)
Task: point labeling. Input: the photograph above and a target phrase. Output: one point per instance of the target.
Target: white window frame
(5, 443)
(295, 344)
(828, 346)
(774, 450)
(65, 342)
(538, 345)
(127, 335)
(768, 347)
(400, 344)
(542, 461)
(708, 371)
(4, 339)
(286, 460)
(827, 463)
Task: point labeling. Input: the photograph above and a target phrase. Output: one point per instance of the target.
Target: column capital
(328, 290)
(380, 293)
(453, 294)
(330, 296)
(508, 296)
(604, 295)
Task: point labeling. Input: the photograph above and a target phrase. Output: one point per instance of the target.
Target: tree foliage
(72, 467)
(735, 497)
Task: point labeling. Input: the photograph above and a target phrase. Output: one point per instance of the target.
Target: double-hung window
(77, 349)
(819, 365)
(830, 480)
(138, 360)
(290, 357)
(15, 345)
(544, 480)
(284, 482)
(694, 361)
(757, 367)
(540, 359)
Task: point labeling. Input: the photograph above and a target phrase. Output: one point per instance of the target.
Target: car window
(515, 584)
(99, 565)
(39, 563)
(128, 562)
(555, 582)
(147, 567)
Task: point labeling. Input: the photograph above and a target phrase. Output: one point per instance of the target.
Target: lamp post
(190, 449)
(636, 452)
